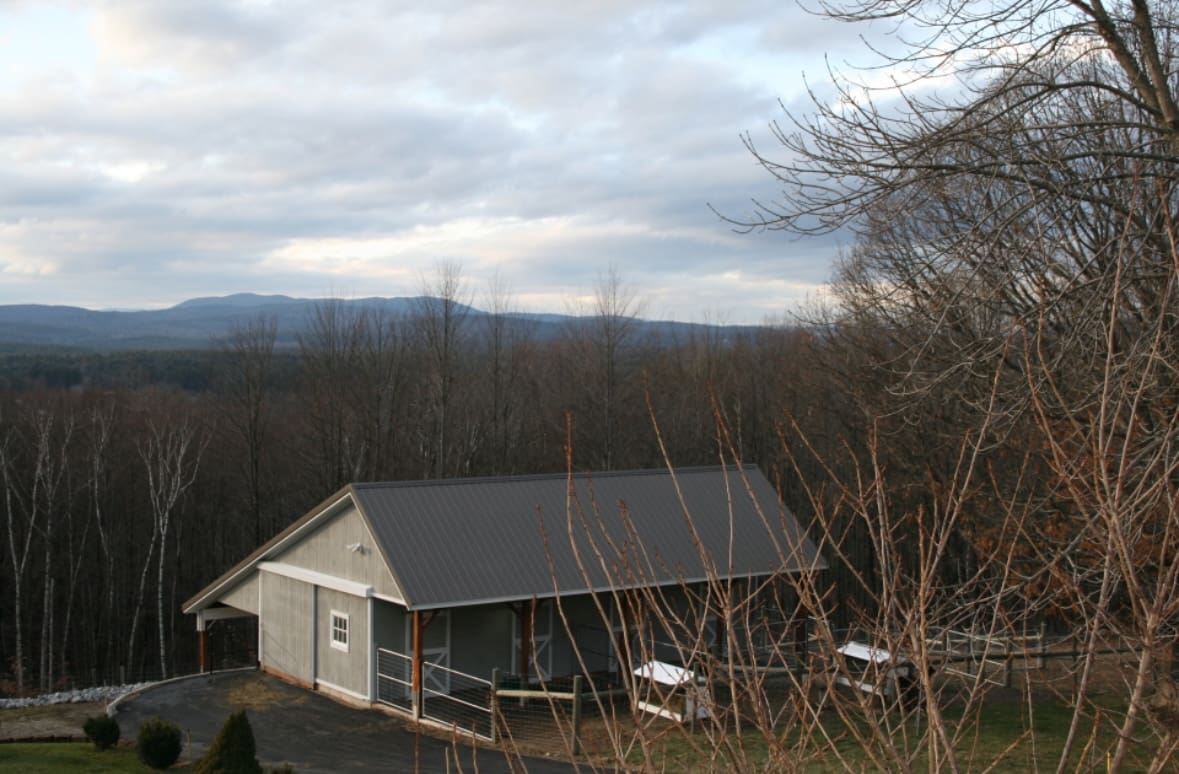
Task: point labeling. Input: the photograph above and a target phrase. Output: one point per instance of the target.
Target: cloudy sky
(163, 150)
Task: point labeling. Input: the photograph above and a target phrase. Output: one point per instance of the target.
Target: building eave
(280, 542)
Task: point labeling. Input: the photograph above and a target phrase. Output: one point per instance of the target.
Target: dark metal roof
(487, 539)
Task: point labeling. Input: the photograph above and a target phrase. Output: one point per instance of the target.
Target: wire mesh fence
(565, 715)
(395, 679)
(600, 718)
(458, 700)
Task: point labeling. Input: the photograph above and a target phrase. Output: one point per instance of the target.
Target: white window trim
(336, 615)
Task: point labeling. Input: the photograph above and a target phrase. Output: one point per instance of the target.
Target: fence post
(577, 714)
(416, 665)
(1041, 646)
(1076, 678)
(122, 674)
(493, 704)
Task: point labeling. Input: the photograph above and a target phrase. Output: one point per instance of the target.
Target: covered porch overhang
(205, 617)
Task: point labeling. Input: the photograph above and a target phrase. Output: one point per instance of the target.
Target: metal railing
(450, 698)
(465, 705)
(395, 679)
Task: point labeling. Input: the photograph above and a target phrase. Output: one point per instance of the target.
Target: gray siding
(482, 635)
(481, 639)
(244, 596)
(348, 670)
(287, 626)
(389, 625)
(326, 550)
(435, 634)
(677, 645)
(587, 641)
(587, 635)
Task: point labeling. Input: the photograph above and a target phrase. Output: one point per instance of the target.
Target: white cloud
(155, 150)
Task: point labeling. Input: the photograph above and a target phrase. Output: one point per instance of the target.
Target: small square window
(340, 631)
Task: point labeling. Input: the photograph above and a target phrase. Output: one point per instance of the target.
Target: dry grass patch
(258, 693)
(53, 721)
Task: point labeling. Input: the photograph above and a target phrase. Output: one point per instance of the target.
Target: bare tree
(1007, 65)
(52, 439)
(1012, 283)
(330, 353)
(73, 529)
(384, 360)
(441, 317)
(247, 387)
(1015, 200)
(777, 700)
(171, 455)
(102, 422)
(507, 351)
(1112, 452)
(604, 340)
(616, 308)
(35, 498)
(21, 526)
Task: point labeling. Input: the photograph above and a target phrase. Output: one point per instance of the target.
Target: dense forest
(130, 480)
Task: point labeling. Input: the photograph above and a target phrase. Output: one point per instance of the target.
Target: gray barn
(400, 593)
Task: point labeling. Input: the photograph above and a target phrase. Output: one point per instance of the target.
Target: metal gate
(457, 700)
(395, 679)
(454, 699)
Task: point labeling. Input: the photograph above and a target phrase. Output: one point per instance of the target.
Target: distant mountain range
(198, 323)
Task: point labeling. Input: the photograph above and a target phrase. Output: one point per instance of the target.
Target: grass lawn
(51, 757)
(1000, 735)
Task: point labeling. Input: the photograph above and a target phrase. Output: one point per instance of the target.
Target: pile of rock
(101, 693)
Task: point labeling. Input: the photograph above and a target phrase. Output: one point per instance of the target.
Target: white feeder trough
(680, 688)
(864, 665)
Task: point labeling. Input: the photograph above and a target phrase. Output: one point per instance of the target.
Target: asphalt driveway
(308, 730)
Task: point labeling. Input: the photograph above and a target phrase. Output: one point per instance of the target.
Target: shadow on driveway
(308, 730)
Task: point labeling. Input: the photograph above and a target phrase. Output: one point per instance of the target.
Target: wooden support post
(719, 635)
(622, 642)
(577, 714)
(1040, 645)
(203, 649)
(493, 704)
(527, 614)
(202, 627)
(1076, 677)
(417, 664)
(798, 635)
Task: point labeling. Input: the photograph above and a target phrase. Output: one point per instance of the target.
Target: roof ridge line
(585, 474)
